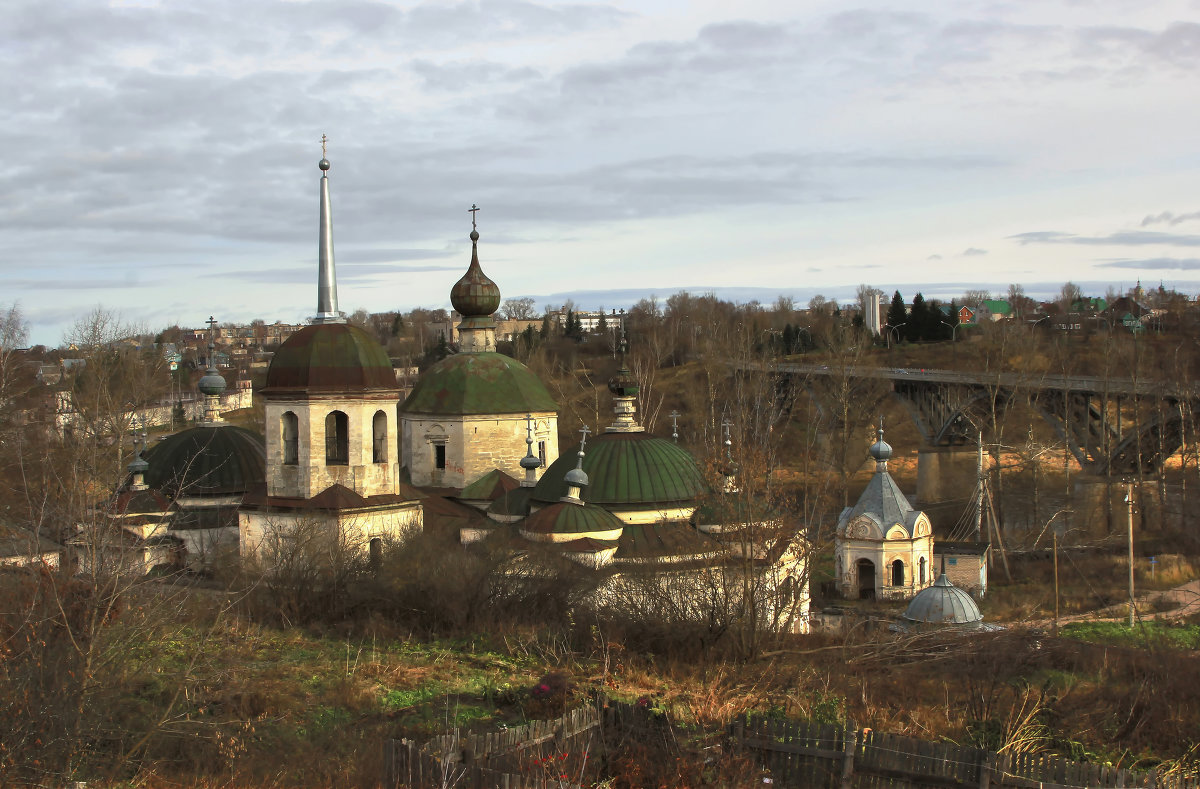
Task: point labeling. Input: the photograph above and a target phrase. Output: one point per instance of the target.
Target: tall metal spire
(327, 304)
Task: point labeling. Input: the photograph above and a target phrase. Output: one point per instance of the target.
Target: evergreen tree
(178, 416)
(919, 319)
(896, 314)
(602, 324)
(545, 330)
(952, 319)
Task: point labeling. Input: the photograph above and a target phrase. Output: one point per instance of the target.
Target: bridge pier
(945, 473)
(1096, 498)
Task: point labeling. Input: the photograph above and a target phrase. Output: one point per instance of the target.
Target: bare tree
(521, 309)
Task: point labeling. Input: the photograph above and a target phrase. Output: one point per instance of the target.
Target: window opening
(337, 439)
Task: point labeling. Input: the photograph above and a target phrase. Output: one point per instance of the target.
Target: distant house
(993, 310)
(966, 315)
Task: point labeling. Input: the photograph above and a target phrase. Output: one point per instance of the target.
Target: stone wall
(475, 444)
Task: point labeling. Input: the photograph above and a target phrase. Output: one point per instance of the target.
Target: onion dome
(207, 460)
(138, 465)
(478, 383)
(475, 295)
(943, 604)
(629, 471)
(530, 462)
(330, 357)
(212, 383)
(881, 450)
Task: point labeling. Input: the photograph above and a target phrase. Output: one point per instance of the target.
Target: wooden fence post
(985, 770)
(851, 743)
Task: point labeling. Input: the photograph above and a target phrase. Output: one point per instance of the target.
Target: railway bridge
(1114, 427)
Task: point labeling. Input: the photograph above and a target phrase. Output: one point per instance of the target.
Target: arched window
(291, 439)
(379, 438)
(337, 439)
(922, 566)
(897, 573)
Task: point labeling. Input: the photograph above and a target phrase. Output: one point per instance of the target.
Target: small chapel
(883, 546)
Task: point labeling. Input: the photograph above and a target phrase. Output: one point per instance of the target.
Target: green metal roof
(330, 357)
(635, 470)
(478, 383)
(489, 487)
(207, 460)
(564, 518)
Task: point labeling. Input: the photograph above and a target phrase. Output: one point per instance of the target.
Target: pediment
(862, 528)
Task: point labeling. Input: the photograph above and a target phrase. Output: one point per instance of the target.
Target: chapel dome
(207, 460)
(330, 357)
(478, 383)
(572, 521)
(943, 604)
(628, 470)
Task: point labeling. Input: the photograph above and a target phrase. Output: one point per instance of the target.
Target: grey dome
(943, 604)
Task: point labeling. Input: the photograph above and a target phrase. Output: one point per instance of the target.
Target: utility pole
(1129, 501)
(1055, 536)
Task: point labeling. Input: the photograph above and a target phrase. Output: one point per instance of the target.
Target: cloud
(1166, 217)
(1160, 264)
(1124, 238)
(973, 252)
(934, 257)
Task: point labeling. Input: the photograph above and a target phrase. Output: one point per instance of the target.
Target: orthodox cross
(675, 425)
(324, 139)
(472, 210)
(583, 442)
(725, 423)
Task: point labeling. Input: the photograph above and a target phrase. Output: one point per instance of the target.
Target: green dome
(330, 357)
(943, 604)
(478, 383)
(628, 470)
(574, 519)
(207, 460)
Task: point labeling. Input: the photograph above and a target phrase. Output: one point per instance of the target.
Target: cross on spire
(472, 211)
(583, 442)
(324, 140)
(675, 425)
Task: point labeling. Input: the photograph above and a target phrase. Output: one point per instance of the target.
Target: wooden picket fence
(538, 755)
(815, 755)
(557, 753)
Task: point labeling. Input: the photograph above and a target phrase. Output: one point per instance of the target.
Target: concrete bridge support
(945, 473)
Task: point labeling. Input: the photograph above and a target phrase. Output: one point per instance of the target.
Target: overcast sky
(162, 156)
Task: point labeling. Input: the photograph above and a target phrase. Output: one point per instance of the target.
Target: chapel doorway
(866, 579)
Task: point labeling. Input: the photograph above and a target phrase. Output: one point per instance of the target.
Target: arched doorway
(866, 579)
(898, 573)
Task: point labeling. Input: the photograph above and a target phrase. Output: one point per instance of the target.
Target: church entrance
(866, 579)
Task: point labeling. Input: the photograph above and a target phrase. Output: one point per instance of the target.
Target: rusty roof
(478, 383)
(330, 357)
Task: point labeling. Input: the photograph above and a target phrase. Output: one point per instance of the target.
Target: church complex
(474, 449)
